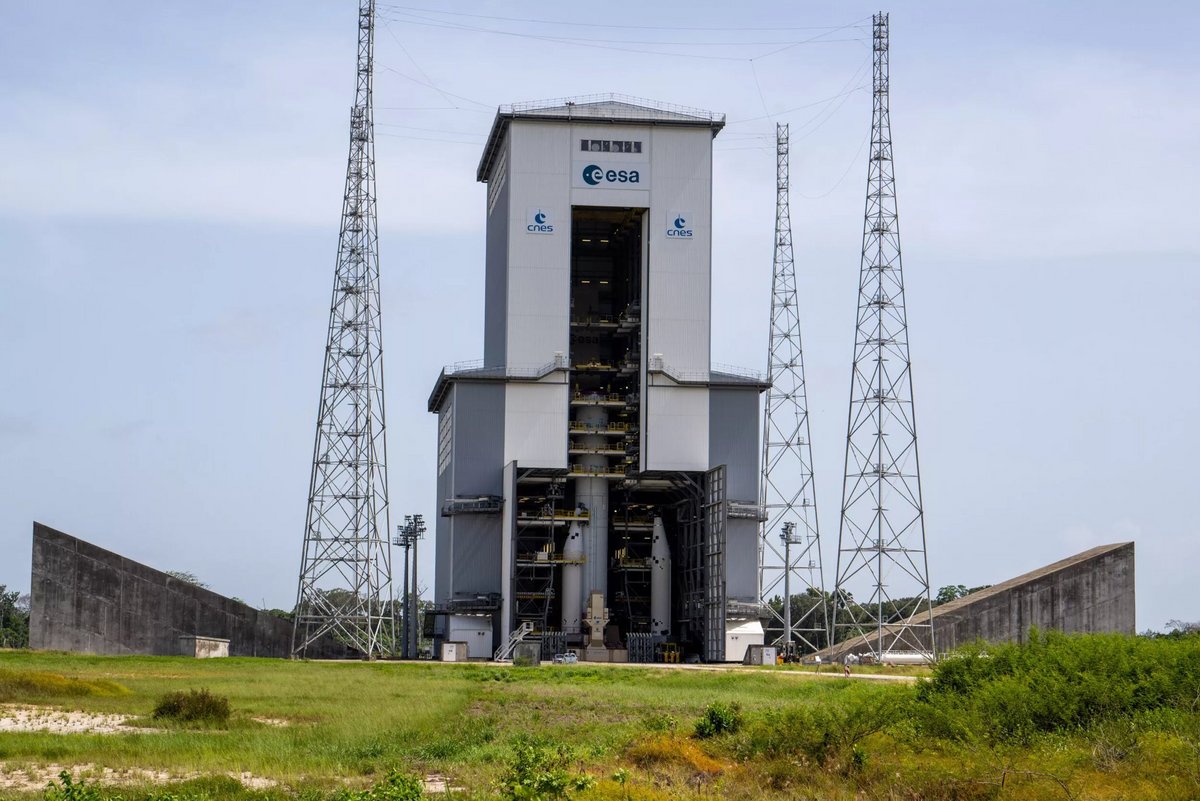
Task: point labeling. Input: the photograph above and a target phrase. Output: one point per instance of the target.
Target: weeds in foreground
(719, 718)
(65, 789)
(396, 786)
(1122, 722)
(674, 751)
(820, 733)
(1056, 682)
(539, 772)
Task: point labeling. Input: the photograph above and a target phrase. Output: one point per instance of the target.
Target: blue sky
(171, 176)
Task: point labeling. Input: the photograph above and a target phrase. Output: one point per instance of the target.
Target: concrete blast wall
(1091, 592)
(90, 600)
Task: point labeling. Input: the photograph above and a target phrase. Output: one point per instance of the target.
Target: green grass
(798, 736)
(25, 685)
(357, 720)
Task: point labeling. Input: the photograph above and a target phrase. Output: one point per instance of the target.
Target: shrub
(193, 706)
(1056, 682)
(660, 722)
(396, 787)
(829, 730)
(719, 718)
(67, 790)
(538, 772)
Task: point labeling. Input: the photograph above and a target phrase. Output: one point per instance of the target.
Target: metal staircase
(505, 652)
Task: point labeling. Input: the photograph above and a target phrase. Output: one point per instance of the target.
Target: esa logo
(595, 175)
(679, 225)
(537, 221)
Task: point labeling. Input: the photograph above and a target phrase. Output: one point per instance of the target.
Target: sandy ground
(30, 778)
(15, 718)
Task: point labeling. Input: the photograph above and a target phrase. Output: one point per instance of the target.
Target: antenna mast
(786, 489)
(881, 543)
(345, 587)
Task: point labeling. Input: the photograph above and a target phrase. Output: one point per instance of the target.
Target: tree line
(14, 618)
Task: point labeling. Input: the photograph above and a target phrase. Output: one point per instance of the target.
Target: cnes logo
(595, 175)
(537, 221)
(679, 225)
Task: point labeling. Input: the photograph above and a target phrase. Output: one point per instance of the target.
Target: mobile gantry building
(595, 449)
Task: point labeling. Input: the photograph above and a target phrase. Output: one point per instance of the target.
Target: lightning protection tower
(345, 587)
(881, 543)
(789, 546)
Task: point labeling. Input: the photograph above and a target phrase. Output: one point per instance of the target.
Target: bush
(719, 718)
(660, 722)
(396, 787)
(1056, 682)
(193, 706)
(538, 772)
(67, 790)
(829, 730)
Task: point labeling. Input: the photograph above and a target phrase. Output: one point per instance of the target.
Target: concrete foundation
(86, 599)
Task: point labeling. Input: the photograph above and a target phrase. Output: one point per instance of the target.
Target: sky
(170, 185)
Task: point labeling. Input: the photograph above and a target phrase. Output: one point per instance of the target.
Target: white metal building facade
(595, 419)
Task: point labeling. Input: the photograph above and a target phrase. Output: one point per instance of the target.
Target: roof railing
(649, 106)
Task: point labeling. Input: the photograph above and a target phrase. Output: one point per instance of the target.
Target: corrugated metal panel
(678, 285)
(476, 554)
(741, 560)
(535, 427)
(495, 305)
(734, 442)
(478, 438)
(443, 533)
(538, 322)
(539, 263)
(733, 438)
(618, 198)
(508, 530)
(539, 147)
(468, 546)
(676, 433)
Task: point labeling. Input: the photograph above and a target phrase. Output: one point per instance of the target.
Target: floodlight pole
(407, 537)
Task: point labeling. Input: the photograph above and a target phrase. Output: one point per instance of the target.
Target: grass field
(632, 730)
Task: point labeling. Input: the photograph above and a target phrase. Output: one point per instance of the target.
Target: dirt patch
(57, 721)
(31, 778)
(272, 721)
(437, 783)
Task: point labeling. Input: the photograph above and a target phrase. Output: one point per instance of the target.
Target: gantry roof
(609, 109)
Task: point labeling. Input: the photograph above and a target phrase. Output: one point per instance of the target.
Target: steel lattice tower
(345, 586)
(881, 543)
(793, 564)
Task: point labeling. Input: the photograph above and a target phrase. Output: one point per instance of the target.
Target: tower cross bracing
(345, 586)
(882, 587)
(789, 546)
